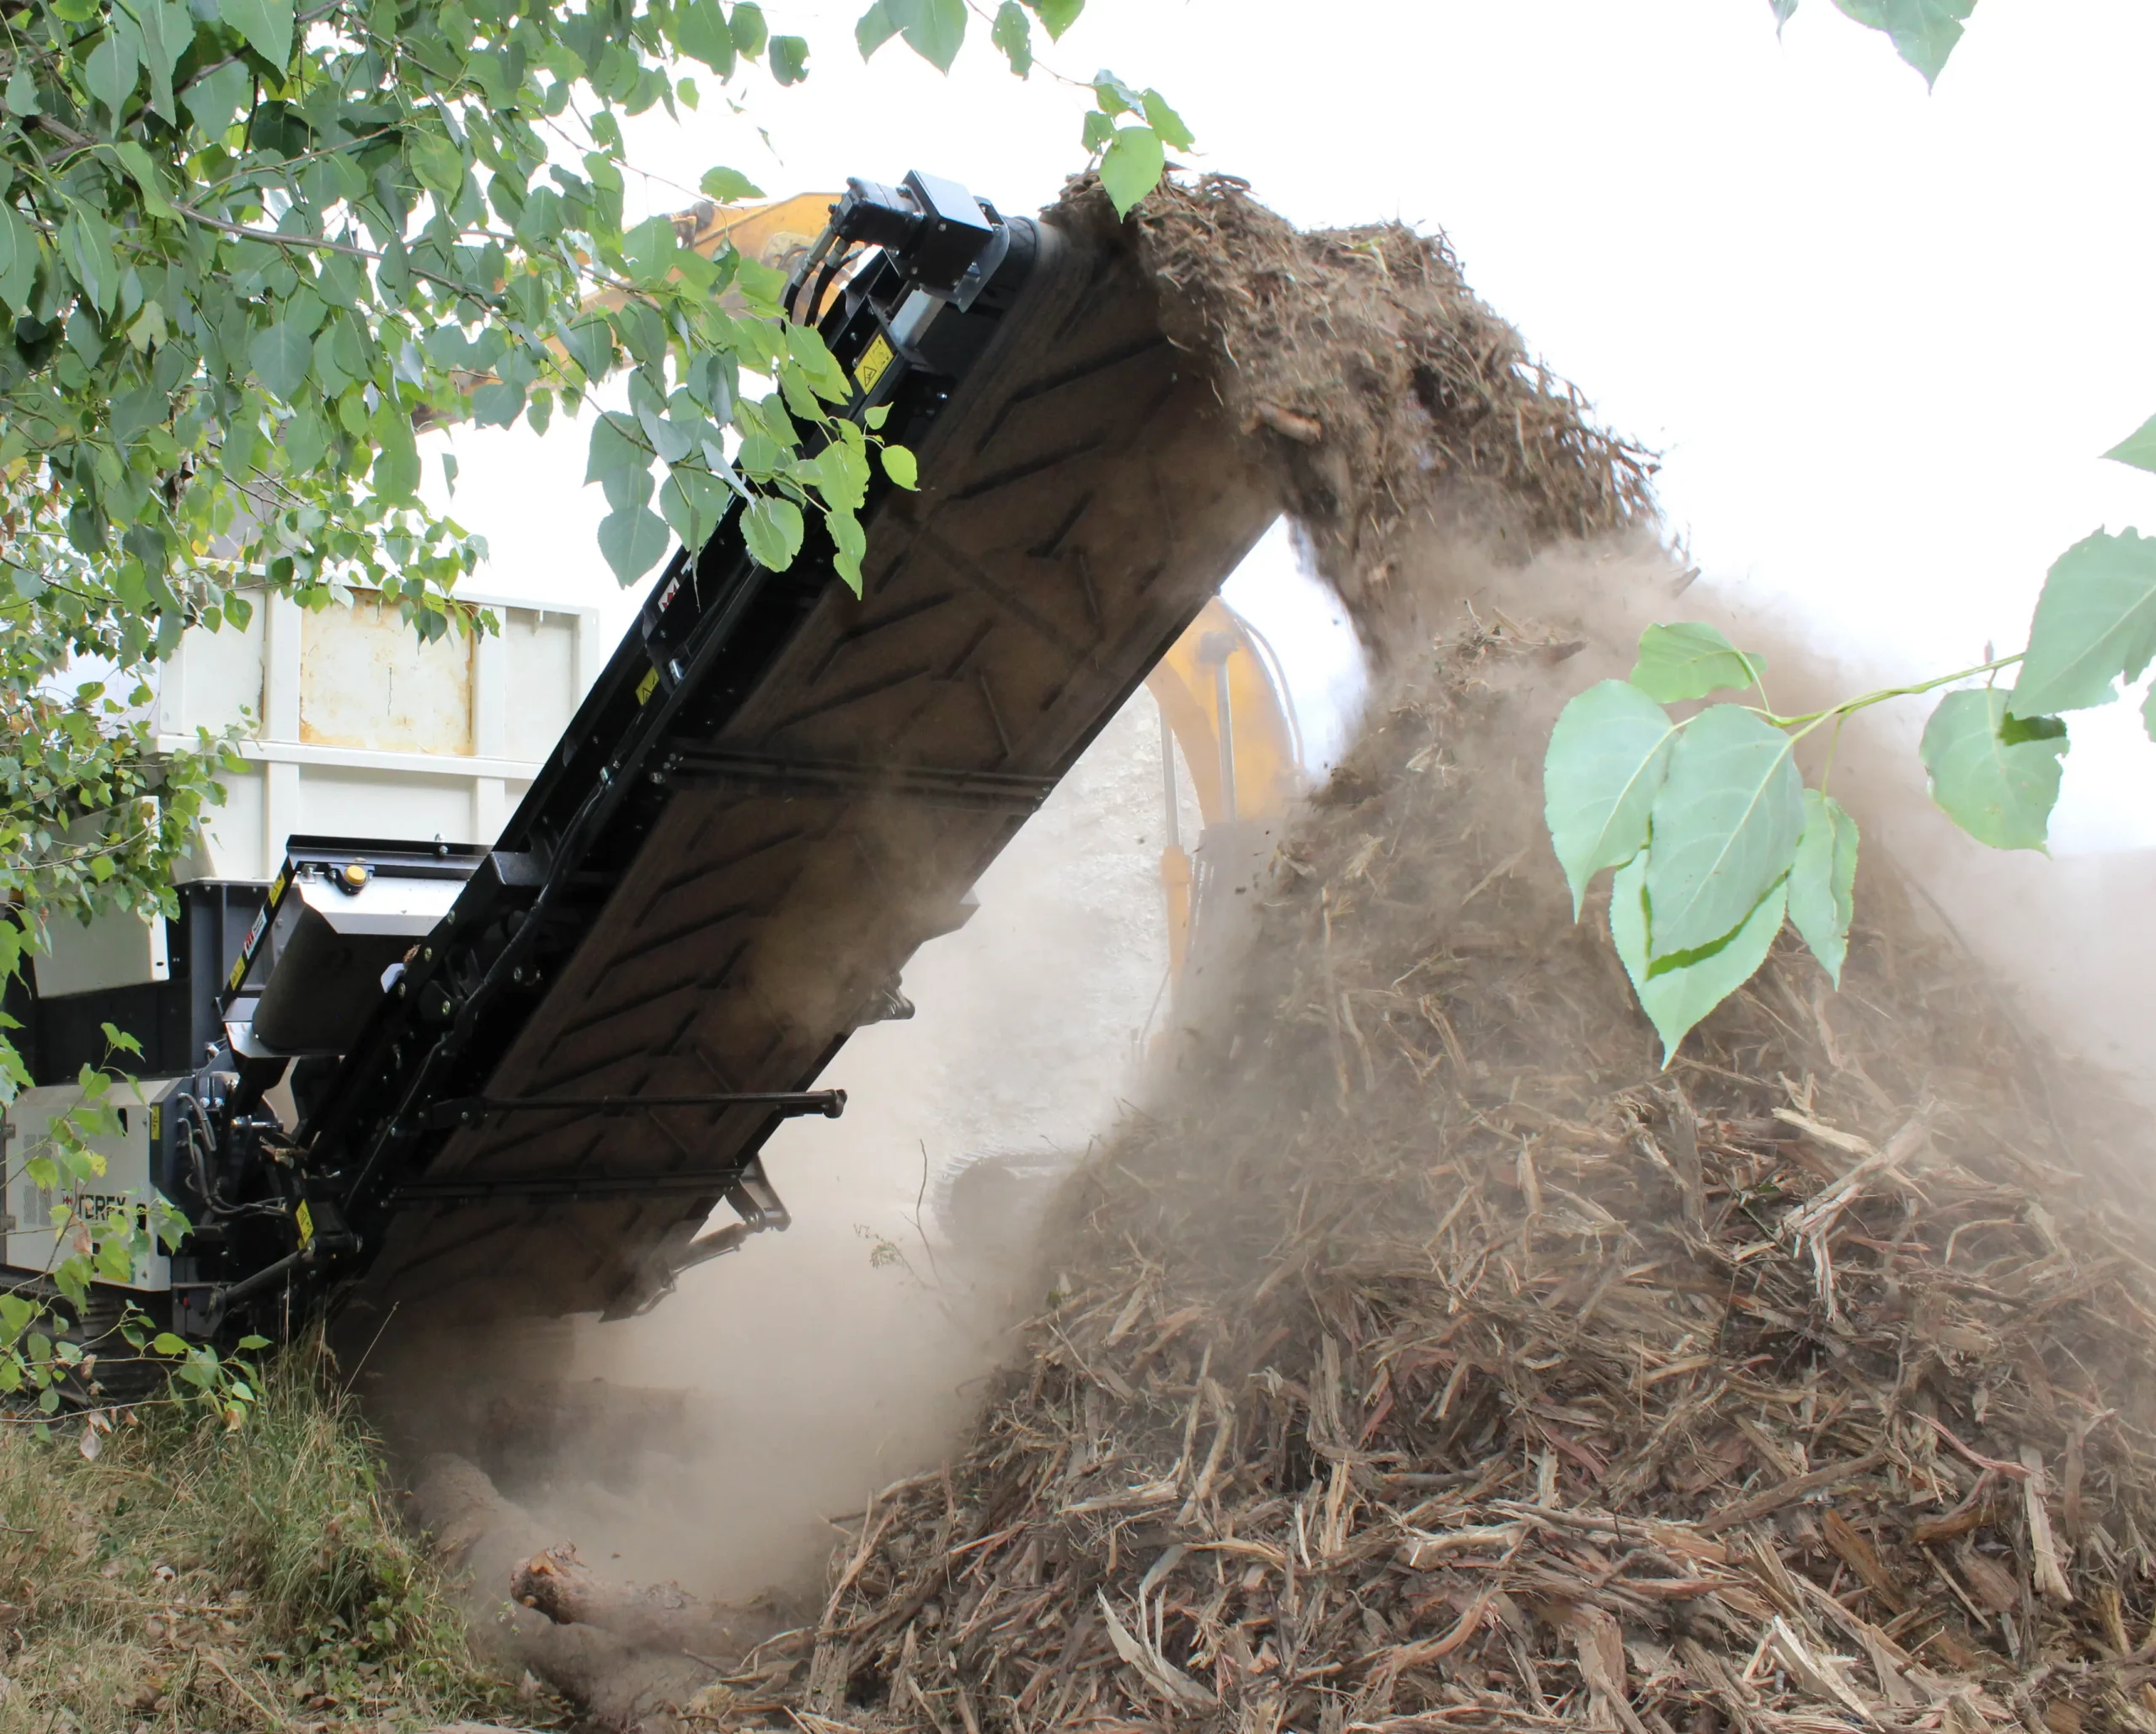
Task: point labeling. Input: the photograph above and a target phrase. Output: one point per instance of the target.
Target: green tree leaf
(748, 31)
(1132, 167)
(2139, 448)
(702, 33)
(1164, 120)
(396, 459)
(591, 343)
(1056, 16)
(148, 180)
(2148, 712)
(1013, 33)
(1995, 778)
(280, 357)
(2094, 622)
(1606, 762)
(1724, 827)
(497, 404)
(773, 529)
(634, 539)
(109, 72)
(1924, 31)
(806, 348)
(789, 59)
(1690, 659)
(1675, 999)
(875, 27)
(935, 30)
(899, 465)
(1822, 881)
(1784, 10)
(266, 24)
(437, 162)
(693, 501)
(17, 258)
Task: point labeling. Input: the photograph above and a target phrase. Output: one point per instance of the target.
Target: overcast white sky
(1882, 336)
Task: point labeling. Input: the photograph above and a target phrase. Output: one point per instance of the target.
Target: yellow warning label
(277, 887)
(647, 687)
(239, 972)
(305, 1218)
(156, 1124)
(870, 367)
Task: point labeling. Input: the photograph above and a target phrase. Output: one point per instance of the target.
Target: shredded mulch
(1386, 397)
(1437, 1362)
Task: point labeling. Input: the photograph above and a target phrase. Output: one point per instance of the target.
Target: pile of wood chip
(1383, 396)
(1437, 1362)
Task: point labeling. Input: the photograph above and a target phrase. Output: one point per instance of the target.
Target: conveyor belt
(724, 870)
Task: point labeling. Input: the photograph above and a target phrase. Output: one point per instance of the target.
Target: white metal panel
(422, 749)
(540, 651)
(216, 682)
(110, 951)
(341, 803)
(32, 1238)
(366, 681)
(392, 904)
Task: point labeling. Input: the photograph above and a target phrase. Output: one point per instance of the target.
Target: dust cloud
(780, 1386)
(816, 1365)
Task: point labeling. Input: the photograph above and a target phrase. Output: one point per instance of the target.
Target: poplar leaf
(17, 258)
(1822, 881)
(748, 29)
(280, 357)
(266, 25)
(1724, 827)
(1606, 762)
(1164, 120)
(1675, 999)
(110, 71)
(727, 185)
(1132, 167)
(702, 33)
(1996, 778)
(1924, 32)
(396, 459)
(148, 180)
(935, 30)
(875, 27)
(634, 539)
(1690, 659)
(2095, 621)
(2139, 448)
(1056, 16)
(1013, 33)
(773, 529)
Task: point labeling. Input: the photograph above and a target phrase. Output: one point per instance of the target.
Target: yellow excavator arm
(1224, 701)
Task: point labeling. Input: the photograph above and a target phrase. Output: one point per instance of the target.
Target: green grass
(197, 1577)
